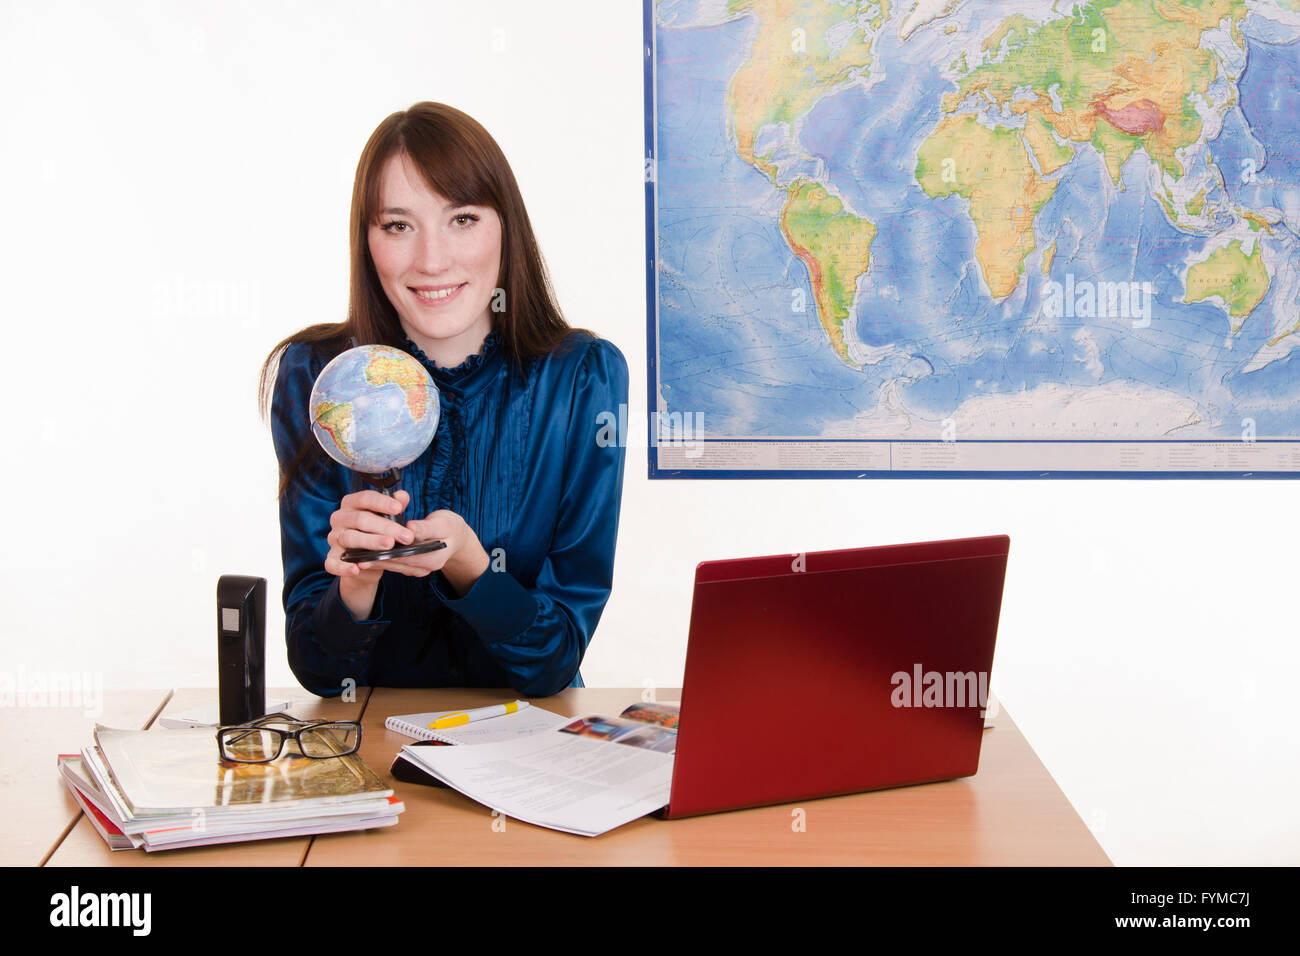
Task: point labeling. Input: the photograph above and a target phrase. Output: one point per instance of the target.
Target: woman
(523, 480)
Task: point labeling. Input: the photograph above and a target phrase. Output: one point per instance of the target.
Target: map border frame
(656, 470)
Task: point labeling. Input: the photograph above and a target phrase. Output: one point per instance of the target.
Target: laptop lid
(835, 672)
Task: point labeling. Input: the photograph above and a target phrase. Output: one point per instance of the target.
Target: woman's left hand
(462, 562)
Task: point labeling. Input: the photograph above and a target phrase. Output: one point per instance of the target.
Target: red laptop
(866, 668)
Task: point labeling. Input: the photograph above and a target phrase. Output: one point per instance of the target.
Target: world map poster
(970, 238)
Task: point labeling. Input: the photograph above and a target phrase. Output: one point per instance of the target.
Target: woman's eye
(467, 216)
(395, 226)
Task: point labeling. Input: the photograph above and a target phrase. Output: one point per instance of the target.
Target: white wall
(175, 182)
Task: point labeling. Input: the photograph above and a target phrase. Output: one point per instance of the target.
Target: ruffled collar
(459, 372)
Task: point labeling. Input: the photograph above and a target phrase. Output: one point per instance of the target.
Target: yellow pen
(480, 713)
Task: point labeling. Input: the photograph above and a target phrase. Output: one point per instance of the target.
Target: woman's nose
(434, 253)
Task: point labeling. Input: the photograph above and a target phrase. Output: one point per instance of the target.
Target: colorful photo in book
(601, 727)
(665, 715)
(285, 778)
(624, 732)
(651, 738)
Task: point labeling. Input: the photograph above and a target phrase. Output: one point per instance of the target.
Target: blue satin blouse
(533, 466)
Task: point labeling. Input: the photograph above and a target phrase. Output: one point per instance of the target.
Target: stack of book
(164, 789)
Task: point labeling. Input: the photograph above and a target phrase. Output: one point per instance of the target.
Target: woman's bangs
(446, 167)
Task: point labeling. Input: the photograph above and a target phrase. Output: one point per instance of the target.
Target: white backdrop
(175, 182)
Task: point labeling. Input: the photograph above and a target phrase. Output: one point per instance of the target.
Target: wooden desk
(39, 810)
(1010, 813)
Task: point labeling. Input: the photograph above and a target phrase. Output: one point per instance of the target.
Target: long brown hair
(460, 161)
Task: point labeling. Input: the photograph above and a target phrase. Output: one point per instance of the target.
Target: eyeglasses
(263, 740)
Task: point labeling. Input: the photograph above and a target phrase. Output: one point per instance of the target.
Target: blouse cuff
(342, 634)
(497, 606)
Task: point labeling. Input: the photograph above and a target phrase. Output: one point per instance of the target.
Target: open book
(587, 776)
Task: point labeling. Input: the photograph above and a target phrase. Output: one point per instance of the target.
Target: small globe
(374, 408)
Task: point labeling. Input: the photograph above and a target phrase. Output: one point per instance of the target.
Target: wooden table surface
(1010, 813)
(38, 807)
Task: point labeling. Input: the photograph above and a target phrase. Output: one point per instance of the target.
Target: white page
(188, 830)
(253, 820)
(312, 830)
(558, 780)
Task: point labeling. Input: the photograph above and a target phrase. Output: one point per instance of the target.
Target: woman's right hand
(362, 521)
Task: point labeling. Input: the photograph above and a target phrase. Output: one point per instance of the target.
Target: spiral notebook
(522, 723)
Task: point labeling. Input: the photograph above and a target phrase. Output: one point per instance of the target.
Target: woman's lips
(436, 296)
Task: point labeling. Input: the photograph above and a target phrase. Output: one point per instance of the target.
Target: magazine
(172, 788)
(587, 777)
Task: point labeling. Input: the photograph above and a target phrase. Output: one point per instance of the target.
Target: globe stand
(385, 483)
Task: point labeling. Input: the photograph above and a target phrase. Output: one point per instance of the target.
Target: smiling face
(438, 263)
